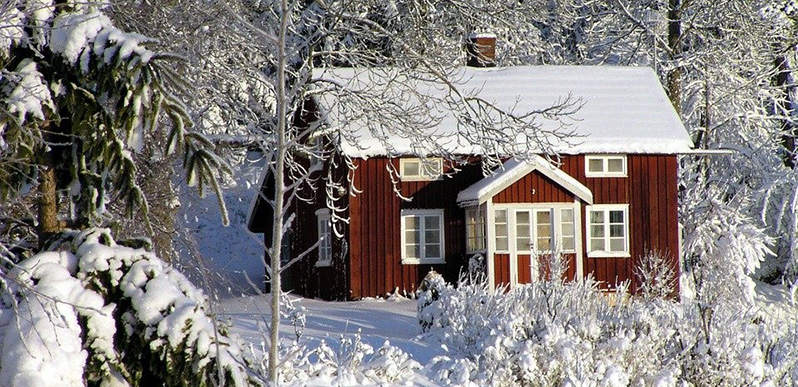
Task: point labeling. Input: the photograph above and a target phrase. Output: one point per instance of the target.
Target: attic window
(413, 169)
(605, 166)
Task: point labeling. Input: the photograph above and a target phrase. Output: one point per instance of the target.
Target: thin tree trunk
(675, 45)
(279, 193)
(783, 107)
(47, 201)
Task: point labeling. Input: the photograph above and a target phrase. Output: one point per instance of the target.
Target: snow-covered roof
(512, 171)
(625, 109)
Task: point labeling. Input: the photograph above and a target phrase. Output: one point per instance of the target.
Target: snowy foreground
(353, 336)
(492, 343)
(93, 312)
(375, 320)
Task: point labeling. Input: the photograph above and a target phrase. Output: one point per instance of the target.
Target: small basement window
(325, 238)
(413, 169)
(422, 237)
(605, 166)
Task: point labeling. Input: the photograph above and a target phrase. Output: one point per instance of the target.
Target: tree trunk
(783, 108)
(47, 200)
(279, 193)
(675, 47)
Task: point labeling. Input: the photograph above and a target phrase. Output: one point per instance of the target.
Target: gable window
(500, 231)
(608, 230)
(605, 166)
(325, 237)
(475, 230)
(422, 236)
(412, 169)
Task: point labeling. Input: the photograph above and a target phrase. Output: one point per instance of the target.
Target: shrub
(112, 316)
(557, 333)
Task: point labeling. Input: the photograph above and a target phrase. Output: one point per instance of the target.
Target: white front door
(530, 236)
(532, 232)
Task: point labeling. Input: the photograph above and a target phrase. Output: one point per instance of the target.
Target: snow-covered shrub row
(354, 363)
(109, 315)
(342, 362)
(554, 333)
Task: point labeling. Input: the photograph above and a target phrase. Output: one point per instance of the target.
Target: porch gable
(513, 171)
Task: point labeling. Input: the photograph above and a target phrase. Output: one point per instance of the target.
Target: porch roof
(512, 171)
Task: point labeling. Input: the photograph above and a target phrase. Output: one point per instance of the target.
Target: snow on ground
(394, 320)
(376, 320)
(229, 252)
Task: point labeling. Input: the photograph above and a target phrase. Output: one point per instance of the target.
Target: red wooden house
(610, 199)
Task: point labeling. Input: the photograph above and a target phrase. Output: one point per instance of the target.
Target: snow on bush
(556, 333)
(348, 362)
(109, 315)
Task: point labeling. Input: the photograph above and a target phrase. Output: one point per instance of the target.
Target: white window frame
(437, 212)
(605, 159)
(425, 168)
(475, 243)
(606, 208)
(560, 234)
(556, 211)
(325, 238)
(506, 234)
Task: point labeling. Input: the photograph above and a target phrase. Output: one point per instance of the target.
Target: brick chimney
(481, 50)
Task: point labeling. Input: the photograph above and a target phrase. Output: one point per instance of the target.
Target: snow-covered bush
(427, 295)
(347, 361)
(110, 315)
(656, 275)
(557, 333)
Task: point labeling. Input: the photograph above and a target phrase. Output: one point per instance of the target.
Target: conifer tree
(78, 97)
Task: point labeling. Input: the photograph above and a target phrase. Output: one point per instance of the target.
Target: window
(605, 166)
(608, 230)
(325, 237)
(475, 229)
(543, 223)
(523, 240)
(422, 236)
(500, 231)
(418, 170)
(567, 230)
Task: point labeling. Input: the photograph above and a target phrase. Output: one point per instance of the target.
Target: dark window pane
(595, 165)
(596, 244)
(615, 165)
(597, 231)
(432, 251)
(432, 223)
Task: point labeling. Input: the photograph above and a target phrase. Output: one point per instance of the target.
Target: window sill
(406, 179)
(607, 254)
(437, 261)
(606, 174)
(323, 264)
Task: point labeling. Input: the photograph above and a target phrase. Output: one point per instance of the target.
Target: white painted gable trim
(514, 170)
